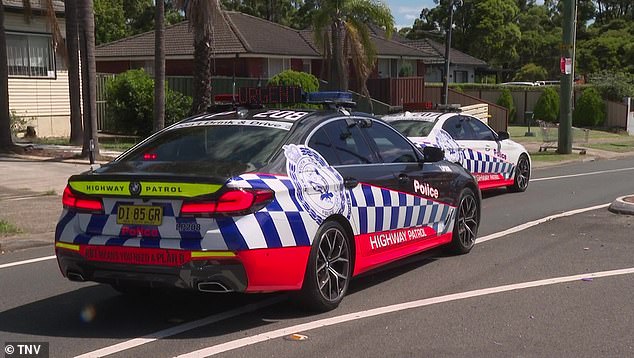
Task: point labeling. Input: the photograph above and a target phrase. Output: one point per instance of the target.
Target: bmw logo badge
(135, 188)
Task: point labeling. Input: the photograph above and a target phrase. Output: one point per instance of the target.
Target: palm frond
(371, 12)
(202, 14)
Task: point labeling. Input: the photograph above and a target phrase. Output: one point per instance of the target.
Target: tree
(547, 106)
(342, 32)
(506, 100)
(74, 86)
(89, 76)
(531, 72)
(590, 109)
(6, 143)
(159, 66)
(202, 15)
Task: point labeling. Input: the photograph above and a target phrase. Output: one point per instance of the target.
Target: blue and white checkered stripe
(377, 209)
(478, 162)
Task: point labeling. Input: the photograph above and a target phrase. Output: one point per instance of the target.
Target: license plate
(139, 215)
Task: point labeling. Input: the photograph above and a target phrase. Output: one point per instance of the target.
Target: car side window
(480, 130)
(348, 143)
(391, 146)
(322, 144)
(457, 128)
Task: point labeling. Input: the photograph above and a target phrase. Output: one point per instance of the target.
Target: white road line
(180, 328)
(30, 261)
(582, 174)
(262, 337)
(536, 222)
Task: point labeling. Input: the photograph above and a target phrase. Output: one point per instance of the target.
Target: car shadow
(97, 311)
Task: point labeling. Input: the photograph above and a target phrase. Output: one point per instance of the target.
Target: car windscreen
(252, 145)
(413, 128)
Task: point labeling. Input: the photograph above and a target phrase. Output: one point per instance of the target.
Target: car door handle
(350, 183)
(403, 178)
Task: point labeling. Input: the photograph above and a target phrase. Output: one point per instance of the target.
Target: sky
(406, 11)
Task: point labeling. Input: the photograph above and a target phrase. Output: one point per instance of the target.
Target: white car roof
(418, 116)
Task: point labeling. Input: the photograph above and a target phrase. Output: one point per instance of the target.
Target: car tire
(466, 224)
(522, 174)
(329, 269)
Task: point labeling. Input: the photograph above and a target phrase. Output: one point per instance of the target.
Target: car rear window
(413, 128)
(245, 144)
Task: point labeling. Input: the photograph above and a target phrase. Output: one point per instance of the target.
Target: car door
(413, 211)
(484, 156)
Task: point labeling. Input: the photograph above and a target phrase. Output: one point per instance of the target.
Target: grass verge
(6, 228)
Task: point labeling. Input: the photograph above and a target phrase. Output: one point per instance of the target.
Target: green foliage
(613, 86)
(6, 228)
(531, 72)
(609, 46)
(590, 109)
(17, 124)
(116, 19)
(130, 97)
(506, 101)
(406, 70)
(547, 106)
(306, 81)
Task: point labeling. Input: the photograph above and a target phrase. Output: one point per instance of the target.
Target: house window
(277, 65)
(30, 55)
(461, 76)
(384, 68)
(306, 66)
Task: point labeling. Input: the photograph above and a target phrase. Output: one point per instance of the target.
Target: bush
(506, 101)
(17, 124)
(613, 86)
(130, 97)
(531, 72)
(306, 81)
(590, 109)
(547, 106)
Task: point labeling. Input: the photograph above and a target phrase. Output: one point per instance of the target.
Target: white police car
(493, 159)
(253, 200)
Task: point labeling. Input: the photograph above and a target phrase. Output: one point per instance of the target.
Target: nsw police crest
(318, 186)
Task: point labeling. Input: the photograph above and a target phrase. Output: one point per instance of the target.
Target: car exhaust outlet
(214, 287)
(74, 276)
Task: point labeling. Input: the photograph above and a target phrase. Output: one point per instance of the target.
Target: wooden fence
(499, 115)
(396, 91)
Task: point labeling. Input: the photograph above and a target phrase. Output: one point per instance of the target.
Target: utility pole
(564, 145)
(445, 79)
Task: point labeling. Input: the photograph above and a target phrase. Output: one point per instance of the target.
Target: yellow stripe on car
(122, 188)
(66, 246)
(203, 254)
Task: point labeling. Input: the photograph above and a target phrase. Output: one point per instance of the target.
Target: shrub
(590, 109)
(306, 81)
(17, 124)
(547, 106)
(506, 101)
(531, 72)
(613, 86)
(130, 97)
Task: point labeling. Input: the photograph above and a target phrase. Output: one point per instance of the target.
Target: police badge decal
(318, 186)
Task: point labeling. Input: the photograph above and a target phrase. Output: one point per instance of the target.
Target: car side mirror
(502, 135)
(433, 154)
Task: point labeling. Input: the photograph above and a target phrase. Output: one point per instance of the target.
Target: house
(38, 79)
(245, 46)
(462, 68)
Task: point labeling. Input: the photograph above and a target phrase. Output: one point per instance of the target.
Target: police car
(259, 200)
(493, 159)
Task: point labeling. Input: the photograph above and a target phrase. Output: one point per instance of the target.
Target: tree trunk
(74, 86)
(159, 66)
(202, 76)
(89, 75)
(339, 68)
(5, 123)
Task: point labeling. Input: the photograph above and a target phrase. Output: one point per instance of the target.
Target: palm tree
(6, 143)
(202, 14)
(74, 86)
(342, 31)
(89, 76)
(159, 65)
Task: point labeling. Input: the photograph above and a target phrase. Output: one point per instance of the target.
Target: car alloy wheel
(466, 225)
(522, 174)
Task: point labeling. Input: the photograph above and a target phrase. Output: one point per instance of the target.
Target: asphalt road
(429, 305)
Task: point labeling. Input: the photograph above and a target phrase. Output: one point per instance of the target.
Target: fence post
(630, 115)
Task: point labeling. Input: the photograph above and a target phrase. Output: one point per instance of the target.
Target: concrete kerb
(623, 205)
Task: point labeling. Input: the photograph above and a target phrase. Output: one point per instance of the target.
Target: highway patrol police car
(264, 200)
(493, 159)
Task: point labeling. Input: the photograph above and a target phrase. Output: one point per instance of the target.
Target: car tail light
(72, 201)
(233, 202)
